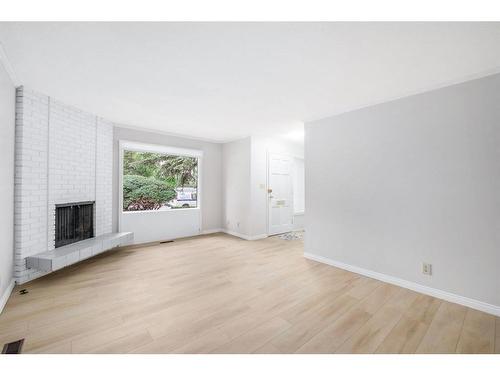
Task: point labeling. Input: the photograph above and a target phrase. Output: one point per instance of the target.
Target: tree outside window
(156, 181)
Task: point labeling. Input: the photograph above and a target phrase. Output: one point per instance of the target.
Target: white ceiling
(223, 81)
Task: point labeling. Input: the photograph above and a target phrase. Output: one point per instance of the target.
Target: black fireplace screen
(74, 222)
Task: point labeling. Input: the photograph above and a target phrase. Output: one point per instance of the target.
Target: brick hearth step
(66, 255)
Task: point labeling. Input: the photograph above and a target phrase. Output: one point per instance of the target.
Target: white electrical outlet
(427, 269)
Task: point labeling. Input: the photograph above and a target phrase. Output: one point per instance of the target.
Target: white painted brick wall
(72, 159)
(30, 210)
(63, 155)
(104, 177)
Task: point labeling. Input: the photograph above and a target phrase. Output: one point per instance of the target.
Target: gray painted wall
(417, 179)
(7, 127)
(236, 201)
(211, 174)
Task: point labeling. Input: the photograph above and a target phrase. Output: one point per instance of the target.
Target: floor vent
(13, 347)
(169, 241)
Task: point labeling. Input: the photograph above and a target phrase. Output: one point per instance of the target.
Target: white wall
(299, 221)
(236, 187)
(165, 225)
(245, 183)
(153, 226)
(299, 195)
(60, 152)
(7, 126)
(31, 188)
(410, 181)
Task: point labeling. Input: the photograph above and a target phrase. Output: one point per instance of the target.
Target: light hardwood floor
(220, 294)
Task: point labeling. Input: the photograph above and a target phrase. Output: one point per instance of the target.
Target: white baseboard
(236, 234)
(6, 294)
(258, 237)
(210, 231)
(244, 236)
(450, 297)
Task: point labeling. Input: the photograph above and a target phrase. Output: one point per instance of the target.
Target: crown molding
(4, 60)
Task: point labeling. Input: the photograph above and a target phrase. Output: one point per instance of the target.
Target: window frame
(159, 149)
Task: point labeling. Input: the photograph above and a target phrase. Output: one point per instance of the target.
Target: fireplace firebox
(74, 222)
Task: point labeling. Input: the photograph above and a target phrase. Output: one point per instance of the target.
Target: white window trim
(160, 149)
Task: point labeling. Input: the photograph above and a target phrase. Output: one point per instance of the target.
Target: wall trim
(6, 294)
(244, 236)
(211, 231)
(4, 60)
(202, 233)
(447, 296)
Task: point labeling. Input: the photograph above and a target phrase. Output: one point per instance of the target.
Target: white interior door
(280, 193)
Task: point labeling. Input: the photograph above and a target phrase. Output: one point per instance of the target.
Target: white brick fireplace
(63, 155)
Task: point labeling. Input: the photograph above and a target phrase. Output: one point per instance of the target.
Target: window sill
(160, 211)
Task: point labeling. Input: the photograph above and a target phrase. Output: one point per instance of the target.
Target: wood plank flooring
(220, 294)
